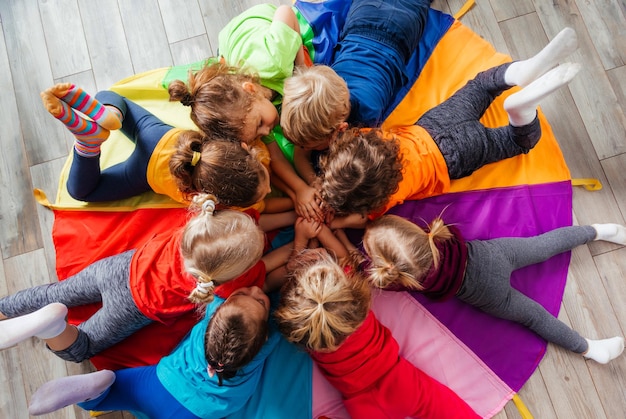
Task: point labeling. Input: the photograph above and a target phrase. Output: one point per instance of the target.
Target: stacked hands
(223, 171)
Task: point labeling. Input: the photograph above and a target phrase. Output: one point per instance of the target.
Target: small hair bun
(187, 100)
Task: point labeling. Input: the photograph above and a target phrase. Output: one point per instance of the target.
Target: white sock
(614, 233)
(62, 392)
(45, 323)
(604, 350)
(522, 106)
(522, 73)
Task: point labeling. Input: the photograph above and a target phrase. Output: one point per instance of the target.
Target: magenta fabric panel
(510, 350)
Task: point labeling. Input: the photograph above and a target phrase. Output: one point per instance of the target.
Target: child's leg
(524, 251)
(126, 179)
(522, 73)
(487, 286)
(78, 99)
(522, 106)
(467, 145)
(139, 390)
(105, 280)
(89, 135)
(66, 391)
(47, 322)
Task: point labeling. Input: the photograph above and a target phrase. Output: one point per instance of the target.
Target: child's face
(252, 301)
(260, 121)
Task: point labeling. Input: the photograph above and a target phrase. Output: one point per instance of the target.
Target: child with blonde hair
(439, 263)
(167, 160)
(366, 172)
(327, 310)
(215, 253)
(211, 373)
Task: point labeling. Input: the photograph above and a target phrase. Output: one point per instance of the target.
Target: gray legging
(106, 281)
(487, 284)
(465, 143)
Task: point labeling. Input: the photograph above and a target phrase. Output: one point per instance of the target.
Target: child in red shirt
(327, 310)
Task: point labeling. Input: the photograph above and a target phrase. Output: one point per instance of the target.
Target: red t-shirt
(160, 285)
(158, 281)
(376, 382)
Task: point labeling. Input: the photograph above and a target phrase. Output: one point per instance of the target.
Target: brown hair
(232, 340)
(217, 99)
(360, 172)
(321, 305)
(223, 168)
(315, 101)
(401, 252)
(218, 246)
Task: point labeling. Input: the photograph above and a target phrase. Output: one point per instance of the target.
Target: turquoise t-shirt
(184, 373)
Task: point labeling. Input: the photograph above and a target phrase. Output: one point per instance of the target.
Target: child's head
(222, 168)
(400, 252)
(316, 104)
(360, 172)
(236, 332)
(218, 246)
(321, 305)
(227, 102)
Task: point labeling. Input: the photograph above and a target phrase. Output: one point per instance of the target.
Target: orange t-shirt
(424, 172)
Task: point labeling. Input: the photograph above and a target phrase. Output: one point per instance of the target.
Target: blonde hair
(315, 102)
(360, 172)
(400, 252)
(321, 305)
(218, 246)
(217, 98)
(220, 167)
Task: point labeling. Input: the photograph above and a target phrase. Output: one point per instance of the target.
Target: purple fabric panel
(510, 350)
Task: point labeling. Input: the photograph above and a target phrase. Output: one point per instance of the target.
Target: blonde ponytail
(401, 253)
(321, 305)
(218, 246)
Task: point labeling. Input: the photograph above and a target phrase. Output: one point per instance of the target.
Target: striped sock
(107, 117)
(89, 135)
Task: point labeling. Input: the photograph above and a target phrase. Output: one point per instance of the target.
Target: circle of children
(343, 175)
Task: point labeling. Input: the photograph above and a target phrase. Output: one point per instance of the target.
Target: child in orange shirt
(366, 172)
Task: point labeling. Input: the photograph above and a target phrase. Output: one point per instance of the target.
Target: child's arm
(302, 163)
(269, 222)
(349, 221)
(304, 196)
(332, 242)
(277, 204)
(286, 15)
(275, 262)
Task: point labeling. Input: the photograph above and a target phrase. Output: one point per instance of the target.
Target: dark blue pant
(86, 182)
(377, 41)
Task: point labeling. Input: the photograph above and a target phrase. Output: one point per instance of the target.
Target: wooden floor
(94, 44)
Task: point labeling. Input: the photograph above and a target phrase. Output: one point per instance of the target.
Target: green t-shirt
(254, 41)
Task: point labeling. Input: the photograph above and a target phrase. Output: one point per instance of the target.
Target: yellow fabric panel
(144, 89)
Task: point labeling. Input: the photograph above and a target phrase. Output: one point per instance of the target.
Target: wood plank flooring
(94, 44)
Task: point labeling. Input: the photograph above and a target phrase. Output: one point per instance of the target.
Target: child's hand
(307, 204)
(307, 229)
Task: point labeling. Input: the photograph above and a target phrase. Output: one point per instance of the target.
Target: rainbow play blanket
(453, 342)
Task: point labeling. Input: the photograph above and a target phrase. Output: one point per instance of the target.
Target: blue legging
(86, 182)
(139, 390)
